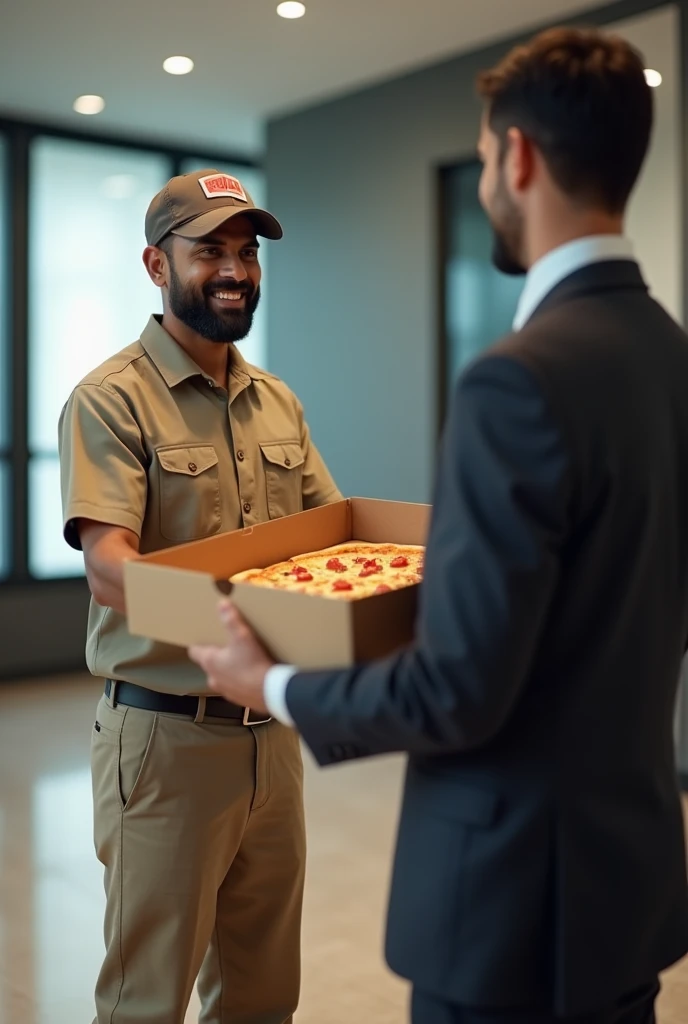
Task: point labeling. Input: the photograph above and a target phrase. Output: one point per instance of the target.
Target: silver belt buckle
(254, 721)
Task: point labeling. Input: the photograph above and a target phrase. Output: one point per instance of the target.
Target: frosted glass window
(49, 554)
(89, 296)
(480, 302)
(89, 292)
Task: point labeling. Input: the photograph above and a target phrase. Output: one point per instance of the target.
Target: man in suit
(540, 865)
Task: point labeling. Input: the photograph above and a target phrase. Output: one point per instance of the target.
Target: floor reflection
(51, 895)
(68, 889)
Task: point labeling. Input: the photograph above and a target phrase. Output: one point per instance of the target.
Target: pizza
(346, 571)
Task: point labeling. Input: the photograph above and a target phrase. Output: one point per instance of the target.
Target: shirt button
(192, 467)
(247, 507)
(240, 456)
(211, 384)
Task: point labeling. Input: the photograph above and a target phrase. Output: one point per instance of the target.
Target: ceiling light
(653, 78)
(291, 9)
(178, 65)
(89, 104)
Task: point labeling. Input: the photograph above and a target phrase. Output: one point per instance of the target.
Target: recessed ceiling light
(291, 9)
(178, 65)
(653, 78)
(89, 104)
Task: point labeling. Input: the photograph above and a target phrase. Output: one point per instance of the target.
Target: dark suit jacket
(540, 856)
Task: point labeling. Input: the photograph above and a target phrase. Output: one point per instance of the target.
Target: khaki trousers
(200, 828)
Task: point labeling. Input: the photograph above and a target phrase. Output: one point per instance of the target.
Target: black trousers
(636, 1008)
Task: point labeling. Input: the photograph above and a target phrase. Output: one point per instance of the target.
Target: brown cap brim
(266, 225)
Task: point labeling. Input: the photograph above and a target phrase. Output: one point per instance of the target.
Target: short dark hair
(583, 100)
(165, 244)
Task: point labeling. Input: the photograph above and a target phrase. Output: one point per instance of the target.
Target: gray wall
(43, 628)
(352, 303)
(352, 316)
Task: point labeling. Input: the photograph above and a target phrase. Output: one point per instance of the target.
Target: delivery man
(197, 805)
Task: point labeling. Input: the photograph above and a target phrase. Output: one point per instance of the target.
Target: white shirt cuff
(275, 692)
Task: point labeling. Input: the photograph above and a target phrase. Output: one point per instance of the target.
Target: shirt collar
(560, 263)
(176, 366)
(241, 373)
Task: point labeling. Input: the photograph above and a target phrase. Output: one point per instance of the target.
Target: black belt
(134, 696)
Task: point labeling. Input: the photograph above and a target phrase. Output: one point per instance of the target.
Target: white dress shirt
(542, 278)
(557, 265)
(275, 692)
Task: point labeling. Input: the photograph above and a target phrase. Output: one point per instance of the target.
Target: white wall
(655, 221)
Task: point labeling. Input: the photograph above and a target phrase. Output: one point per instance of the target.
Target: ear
(156, 263)
(520, 160)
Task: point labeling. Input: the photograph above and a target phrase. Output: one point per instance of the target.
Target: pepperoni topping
(304, 576)
(399, 563)
(342, 585)
(298, 569)
(372, 563)
(383, 589)
(370, 570)
(360, 561)
(336, 566)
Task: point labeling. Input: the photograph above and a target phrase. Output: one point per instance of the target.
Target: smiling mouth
(228, 299)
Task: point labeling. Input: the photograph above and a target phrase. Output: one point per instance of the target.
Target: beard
(506, 222)
(503, 256)
(192, 306)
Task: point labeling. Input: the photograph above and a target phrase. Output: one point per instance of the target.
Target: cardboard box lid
(255, 547)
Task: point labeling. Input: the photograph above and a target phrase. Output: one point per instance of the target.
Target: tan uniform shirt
(150, 443)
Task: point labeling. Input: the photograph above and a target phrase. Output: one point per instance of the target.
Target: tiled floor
(50, 883)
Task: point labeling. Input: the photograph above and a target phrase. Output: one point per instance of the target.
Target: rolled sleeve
(102, 462)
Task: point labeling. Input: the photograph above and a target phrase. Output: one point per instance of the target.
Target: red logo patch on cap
(216, 186)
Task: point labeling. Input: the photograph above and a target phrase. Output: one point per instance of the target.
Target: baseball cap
(193, 205)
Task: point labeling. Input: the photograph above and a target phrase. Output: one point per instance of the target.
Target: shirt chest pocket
(283, 463)
(189, 492)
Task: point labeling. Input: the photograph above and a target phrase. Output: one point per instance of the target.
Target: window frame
(18, 136)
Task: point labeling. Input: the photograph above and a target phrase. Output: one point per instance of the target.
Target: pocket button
(192, 467)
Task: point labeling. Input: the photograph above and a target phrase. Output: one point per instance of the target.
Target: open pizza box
(172, 595)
